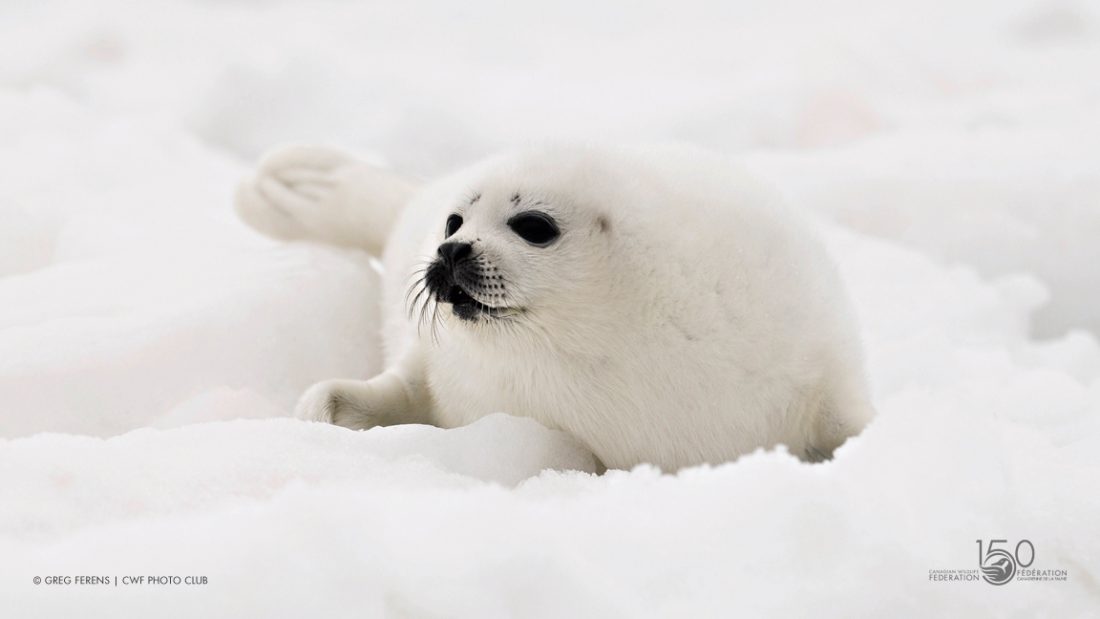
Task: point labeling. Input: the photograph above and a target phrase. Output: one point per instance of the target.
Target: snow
(151, 346)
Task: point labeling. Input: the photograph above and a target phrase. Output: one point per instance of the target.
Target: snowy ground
(149, 342)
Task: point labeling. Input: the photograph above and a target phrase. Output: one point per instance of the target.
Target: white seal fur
(682, 314)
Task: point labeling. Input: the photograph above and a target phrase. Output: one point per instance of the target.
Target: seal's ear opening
(603, 224)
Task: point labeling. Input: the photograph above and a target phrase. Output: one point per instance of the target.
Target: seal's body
(658, 305)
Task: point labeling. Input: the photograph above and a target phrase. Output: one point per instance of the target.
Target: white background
(951, 150)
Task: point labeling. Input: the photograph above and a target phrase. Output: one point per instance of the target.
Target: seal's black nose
(454, 252)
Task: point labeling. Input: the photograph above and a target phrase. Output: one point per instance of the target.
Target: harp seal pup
(657, 304)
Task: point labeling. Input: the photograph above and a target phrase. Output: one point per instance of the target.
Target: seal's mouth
(462, 288)
(469, 308)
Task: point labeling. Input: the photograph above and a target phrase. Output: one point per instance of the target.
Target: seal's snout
(453, 252)
(468, 282)
(455, 264)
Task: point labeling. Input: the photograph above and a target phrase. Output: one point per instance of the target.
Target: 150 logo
(999, 561)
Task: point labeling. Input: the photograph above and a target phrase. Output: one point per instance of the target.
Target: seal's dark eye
(454, 222)
(534, 227)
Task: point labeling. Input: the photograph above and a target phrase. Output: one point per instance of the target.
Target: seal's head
(472, 269)
(517, 249)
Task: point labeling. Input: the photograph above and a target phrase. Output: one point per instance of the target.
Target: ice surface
(149, 342)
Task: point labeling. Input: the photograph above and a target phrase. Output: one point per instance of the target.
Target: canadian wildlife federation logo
(999, 563)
